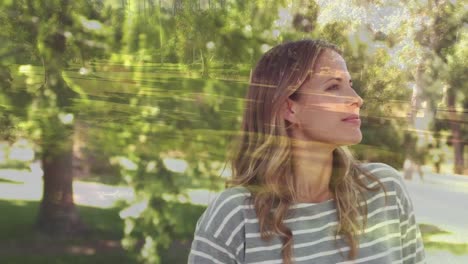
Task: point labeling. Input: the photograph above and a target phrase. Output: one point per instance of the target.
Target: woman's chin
(350, 141)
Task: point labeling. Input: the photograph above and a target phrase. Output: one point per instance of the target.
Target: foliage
(156, 88)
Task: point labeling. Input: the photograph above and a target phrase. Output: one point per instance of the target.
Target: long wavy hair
(261, 160)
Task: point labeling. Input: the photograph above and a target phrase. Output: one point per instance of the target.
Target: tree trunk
(58, 214)
(80, 162)
(457, 142)
(161, 33)
(205, 64)
(410, 141)
(458, 148)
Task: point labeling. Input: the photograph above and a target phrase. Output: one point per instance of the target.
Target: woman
(297, 195)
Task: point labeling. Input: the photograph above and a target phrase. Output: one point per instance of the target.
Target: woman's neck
(312, 167)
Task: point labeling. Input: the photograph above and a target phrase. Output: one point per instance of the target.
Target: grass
(17, 220)
(428, 231)
(108, 180)
(20, 218)
(9, 181)
(455, 248)
(20, 243)
(67, 259)
(14, 164)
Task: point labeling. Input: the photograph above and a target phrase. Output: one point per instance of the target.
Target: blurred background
(116, 115)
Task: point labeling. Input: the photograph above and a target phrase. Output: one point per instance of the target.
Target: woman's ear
(289, 111)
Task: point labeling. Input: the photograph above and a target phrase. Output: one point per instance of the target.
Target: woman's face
(326, 103)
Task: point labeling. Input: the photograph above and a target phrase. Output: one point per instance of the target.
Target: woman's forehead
(330, 65)
(329, 72)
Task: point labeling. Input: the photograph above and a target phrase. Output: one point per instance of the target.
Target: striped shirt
(228, 230)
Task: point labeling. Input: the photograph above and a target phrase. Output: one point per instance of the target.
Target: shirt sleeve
(411, 239)
(219, 234)
(207, 249)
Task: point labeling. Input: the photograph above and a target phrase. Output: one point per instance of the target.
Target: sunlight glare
(201, 196)
(83, 71)
(265, 47)
(134, 210)
(210, 45)
(285, 17)
(25, 69)
(66, 118)
(125, 163)
(225, 172)
(175, 165)
(90, 24)
(21, 154)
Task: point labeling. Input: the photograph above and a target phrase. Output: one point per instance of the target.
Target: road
(440, 200)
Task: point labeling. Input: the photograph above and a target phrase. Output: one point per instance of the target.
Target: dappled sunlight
(18, 175)
(21, 154)
(124, 162)
(36, 171)
(134, 210)
(19, 203)
(90, 24)
(21, 150)
(201, 197)
(23, 192)
(225, 172)
(28, 191)
(81, 250)
(175, 165)
(91, 194)
(66, 118)
(141, 102)
(457, 237)
(100, 195)
(85, 193)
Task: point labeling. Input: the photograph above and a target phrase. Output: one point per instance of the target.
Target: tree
(50, 36)
(442, 38)
(424, 36)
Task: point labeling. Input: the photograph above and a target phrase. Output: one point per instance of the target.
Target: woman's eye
(333, 87)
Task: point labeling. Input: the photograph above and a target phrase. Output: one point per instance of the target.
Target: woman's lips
(353, 119)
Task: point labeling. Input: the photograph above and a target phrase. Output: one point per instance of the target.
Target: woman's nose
(355, 99)
(359, 101)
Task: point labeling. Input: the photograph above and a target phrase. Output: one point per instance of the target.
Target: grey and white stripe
(228, 231)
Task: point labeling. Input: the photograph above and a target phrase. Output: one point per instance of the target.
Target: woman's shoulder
(392, 178)
(220, 230)
(225, 211)
(236, 191)
(382, 171)
(229, 198)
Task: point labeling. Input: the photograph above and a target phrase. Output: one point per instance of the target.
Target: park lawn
(67, 259)
(428, 230)
(19, 243)
(9, 181)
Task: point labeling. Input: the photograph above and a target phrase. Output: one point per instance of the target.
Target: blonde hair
(262, 158)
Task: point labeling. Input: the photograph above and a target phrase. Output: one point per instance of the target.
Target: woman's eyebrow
(338, 79)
